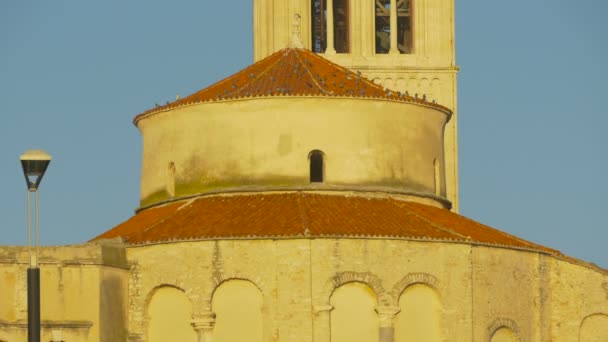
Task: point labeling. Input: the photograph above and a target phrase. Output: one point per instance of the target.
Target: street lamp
(34, 164)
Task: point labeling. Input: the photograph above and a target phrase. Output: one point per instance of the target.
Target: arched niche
(171, 179)
(354, 317)
(237, 305)
(419, 318)
(594, 328)
(437, 169)
(503, 334)
(169, 314)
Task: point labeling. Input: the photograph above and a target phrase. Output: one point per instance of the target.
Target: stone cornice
(372, 191)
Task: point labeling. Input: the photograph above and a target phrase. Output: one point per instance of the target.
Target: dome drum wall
(430, 68)
(264, 143)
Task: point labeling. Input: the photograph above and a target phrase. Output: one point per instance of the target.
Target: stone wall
(83, 293)
(478, 292)
(481, 290)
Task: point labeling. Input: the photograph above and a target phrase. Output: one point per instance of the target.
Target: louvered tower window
(334, 22)
(394, 26)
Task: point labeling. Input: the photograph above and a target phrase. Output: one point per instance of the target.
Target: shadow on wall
(113, 310)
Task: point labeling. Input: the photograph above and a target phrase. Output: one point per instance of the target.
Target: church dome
(294, 121)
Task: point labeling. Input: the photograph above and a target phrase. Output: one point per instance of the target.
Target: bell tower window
(341, 26)
(383, 26)
(404, 26)
(394, 26)
(317, 166)
(318, 25)
(330, 26)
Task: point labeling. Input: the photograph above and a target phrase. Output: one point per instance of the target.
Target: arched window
(420, 315)
(237, 305)
(405, 31)
(338, 21)
(354, 316)
(317, 166)
(383, 26)
(170, 313)
(341, 26)
(318, 25)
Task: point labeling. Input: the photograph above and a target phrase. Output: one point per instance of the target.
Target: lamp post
(34, 164)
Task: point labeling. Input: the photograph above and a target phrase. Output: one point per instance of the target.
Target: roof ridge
(312, 77)
(427, 220)
(248, 85)
(524, 242)
(284, 73)
(366, 80)
(163, 220)
(515, 237)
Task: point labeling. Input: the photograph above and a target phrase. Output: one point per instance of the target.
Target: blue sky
(532, 108)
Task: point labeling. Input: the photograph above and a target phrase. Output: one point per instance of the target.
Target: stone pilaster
(322, 324)
(331, 49)
(203, 324)
(393, 23)
(386, 315)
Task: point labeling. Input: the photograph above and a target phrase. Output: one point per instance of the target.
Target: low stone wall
(83, 292)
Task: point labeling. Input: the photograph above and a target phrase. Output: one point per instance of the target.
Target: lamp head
(34, 164)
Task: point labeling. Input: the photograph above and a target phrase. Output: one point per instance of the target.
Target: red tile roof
(301, 214)
(292, 72)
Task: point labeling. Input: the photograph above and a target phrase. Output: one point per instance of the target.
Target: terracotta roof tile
(292, 72)
(143, 220)
(307, 215)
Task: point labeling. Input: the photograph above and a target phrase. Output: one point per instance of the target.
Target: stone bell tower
(403, 45)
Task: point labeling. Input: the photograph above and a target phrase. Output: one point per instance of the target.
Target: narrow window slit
(316, 166)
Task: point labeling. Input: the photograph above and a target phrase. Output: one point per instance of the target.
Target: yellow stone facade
(305, 290)
(355, 288)
(430, 70)
(84, 293)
